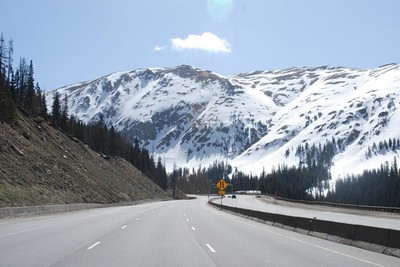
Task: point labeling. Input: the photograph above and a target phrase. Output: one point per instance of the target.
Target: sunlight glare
(220, 10)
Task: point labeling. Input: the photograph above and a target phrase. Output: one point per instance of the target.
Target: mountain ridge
(191, 117)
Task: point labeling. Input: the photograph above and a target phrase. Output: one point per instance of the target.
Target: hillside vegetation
(41, 165)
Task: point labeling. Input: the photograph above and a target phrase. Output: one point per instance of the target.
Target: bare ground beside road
(40, 165)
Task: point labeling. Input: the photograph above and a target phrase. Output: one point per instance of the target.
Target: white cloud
(207, 41)
(159, 48)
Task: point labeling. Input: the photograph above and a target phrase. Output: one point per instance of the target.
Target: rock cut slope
(40, 165)
(255, 121)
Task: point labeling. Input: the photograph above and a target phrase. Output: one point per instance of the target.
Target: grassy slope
(41, 165)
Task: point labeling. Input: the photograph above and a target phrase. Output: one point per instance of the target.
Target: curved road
(367, 218)
(173, 233)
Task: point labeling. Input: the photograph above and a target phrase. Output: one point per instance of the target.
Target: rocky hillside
(41, 165)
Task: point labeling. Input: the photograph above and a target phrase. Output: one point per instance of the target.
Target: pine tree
(31, 101)
(56, 110)
(7, 106)
(161, 174)
(10, 60)
(43, 107)
(113, 149)
(64, 114)
(2, 56)
(22, 75)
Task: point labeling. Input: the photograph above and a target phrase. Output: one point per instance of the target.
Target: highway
(172, 233)
(358, 217)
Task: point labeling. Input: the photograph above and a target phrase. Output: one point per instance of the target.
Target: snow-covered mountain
(254, 121)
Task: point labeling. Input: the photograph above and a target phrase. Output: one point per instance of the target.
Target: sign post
(221, 184)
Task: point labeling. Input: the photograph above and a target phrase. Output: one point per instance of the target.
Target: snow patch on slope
(255, 121)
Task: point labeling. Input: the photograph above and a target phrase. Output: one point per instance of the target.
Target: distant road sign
(222, 185)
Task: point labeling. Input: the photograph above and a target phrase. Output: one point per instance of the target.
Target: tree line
(383, 147)
(376, 187)
(18, 90)
(107, 141)
(289, 182)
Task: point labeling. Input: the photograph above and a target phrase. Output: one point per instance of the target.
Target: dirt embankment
(41, 165)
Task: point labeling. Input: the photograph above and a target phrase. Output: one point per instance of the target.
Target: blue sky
(71, 41)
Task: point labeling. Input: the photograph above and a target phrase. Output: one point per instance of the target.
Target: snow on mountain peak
(255, 121)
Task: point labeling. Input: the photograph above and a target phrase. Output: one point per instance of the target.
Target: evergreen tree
(113, 149)
(56, 110)
(2, 56)
(64, 114)
(22, 84)
(7, 106)
(161, 174)
(31, 100)
(10, 60)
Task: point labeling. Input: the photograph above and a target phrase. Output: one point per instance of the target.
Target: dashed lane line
(95, 244)
(210, 248)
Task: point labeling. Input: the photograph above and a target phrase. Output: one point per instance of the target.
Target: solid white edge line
(315, 245)
(95, 244)
(210, 248)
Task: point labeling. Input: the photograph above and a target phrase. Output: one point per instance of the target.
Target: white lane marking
(92, 246)
(346, 255)
(137, 219)
(187, 220)
(27, 230)
(210, 248)
(123, 227)
(317, 246)
(194, 229)
(48, 226)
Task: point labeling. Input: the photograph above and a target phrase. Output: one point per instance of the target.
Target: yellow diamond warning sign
(221, 184)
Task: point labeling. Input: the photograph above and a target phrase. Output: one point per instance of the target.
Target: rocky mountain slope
(40, 165)
(254, 121)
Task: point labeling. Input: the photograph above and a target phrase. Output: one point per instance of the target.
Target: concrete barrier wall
(357, 235)
(341, 205)
(394, 239)
(18, 211)
(37, 210)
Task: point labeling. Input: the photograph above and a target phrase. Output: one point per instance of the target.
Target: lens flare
(220, 10)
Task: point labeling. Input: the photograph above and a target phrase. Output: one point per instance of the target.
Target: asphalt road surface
(368, 218)
(172, 233)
